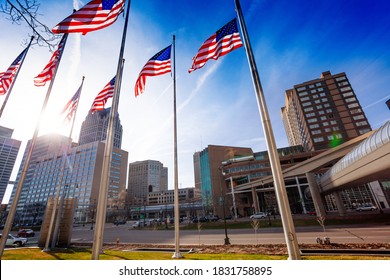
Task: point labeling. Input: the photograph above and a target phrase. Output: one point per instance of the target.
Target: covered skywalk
(369, 161)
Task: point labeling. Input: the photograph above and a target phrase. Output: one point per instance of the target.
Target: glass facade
(9, 149)
(205, 177)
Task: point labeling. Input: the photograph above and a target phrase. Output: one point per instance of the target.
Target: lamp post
(222, 199)
(227, 240)
(93, 213)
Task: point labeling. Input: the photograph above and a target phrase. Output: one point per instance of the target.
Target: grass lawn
(85, 254)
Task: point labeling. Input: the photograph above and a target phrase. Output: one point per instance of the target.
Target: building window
(353, 105)
(318, 139)
(308, 109)
(351, 99)
(314, 132)
(361, 123)
(358, 117)
(355, 111)
(314, 126)
(306, 104)
(342, 78)
(343, 83)
(347, 94)
(312, 120)
(363, 131)
(301, 88)
(345, 89)
(310, 115)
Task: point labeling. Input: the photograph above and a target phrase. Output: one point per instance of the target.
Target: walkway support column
(339, 203)
(255, 200)
(315, 194)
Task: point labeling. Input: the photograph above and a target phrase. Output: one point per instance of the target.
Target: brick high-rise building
(322, 113)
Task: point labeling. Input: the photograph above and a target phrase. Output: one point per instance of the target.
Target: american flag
(101, 98)
(220, 43)
(159, 64)
(96, 15)
(47, 73)
(7, 77)
(71, 106)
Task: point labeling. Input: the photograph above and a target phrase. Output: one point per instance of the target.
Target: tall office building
(322, 113)
(94, 128)
(80, 180)
(145, 177)
(45, 145)
(9, 149)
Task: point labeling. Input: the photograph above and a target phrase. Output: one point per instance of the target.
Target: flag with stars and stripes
(7, 77)
(47, 73)
(95, 15)
(159, 64)
(71, 107)
(102, 97)
(220, 43)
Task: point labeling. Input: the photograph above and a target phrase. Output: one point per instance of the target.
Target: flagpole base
(177, 255)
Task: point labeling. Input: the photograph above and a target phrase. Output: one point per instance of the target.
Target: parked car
(311, 212)
(172, 220)
(229, 217)
(26, 232)
(259, 215)
(213, 218)
(141, 223)
(119, 222)
(367, 207)
(200, 220)
(15, 241)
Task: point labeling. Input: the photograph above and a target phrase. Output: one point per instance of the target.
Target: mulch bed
(266, 249)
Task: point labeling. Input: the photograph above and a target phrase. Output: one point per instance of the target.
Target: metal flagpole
(12, 211)
(104, 182)
(280, 189)
(56, 199)
(14, 79)
(177, 254)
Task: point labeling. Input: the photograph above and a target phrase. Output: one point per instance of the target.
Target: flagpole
(12, 211)
(177, 254)
(104, 182)
(56, 199)
(280, 189)
(14, 79)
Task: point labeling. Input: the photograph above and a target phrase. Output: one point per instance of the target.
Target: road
(307, 235)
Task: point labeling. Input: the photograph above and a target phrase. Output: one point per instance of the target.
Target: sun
(54, 122)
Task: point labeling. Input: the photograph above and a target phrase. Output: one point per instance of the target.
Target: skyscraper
(145, 177)
(322, 113)
(9, 149)
(94, 128)
(81, 180)
(45, 145)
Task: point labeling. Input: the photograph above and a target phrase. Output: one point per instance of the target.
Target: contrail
(376, 102)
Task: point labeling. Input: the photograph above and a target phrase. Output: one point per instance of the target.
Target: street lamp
(222, 199)
(93, 213)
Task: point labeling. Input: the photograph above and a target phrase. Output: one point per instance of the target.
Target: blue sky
(293, 42)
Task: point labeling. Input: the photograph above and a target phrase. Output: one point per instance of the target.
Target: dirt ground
(267, 249)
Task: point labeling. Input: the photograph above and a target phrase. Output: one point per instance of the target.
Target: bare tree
(26, 13)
